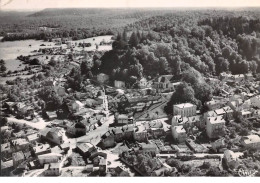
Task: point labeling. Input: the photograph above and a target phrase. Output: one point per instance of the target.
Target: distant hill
(71, 18)
(111, 12)
(66, 11)
(9, 14)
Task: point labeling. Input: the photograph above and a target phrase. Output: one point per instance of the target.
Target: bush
(196, 173)
(206, 165)
(243, 132)
(174, 163)
(3, 121)
(214, 172)
(185, 168)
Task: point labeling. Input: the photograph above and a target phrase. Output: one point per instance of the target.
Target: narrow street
(41, 124)
(94, 136)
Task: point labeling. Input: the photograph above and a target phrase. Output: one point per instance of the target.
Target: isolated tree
(133, 41)
(3, 68)
(124, 36)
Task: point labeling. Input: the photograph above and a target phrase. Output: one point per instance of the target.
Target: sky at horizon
(42, 4)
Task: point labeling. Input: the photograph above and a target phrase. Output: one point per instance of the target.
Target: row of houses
(42, 153)
(20, 109)
(94, 158)
(59, 41)
(8, 166)
(214, 120)
(19, 144)
(161, 83)
(80, 128)
(117, 134)
(132, 132)
(237, 78)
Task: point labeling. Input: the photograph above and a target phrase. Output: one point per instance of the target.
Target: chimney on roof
(216, 118)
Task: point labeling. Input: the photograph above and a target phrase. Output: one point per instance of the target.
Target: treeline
(27, 60)
(76, 34)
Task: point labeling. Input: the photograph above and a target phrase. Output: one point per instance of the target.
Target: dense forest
(74, 22)
(188, 47)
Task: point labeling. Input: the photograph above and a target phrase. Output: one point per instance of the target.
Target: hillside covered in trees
(78, 23)
(188, 45)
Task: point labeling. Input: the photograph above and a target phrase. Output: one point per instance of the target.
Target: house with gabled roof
(128, 131)
(118, 134)
(249, 76)
(9, 106)
(213, 104)
(53, 135)
(49, 158)
(76, 129)
(86, 149)
(118, 172)
(149, 148)
(163, 83)
(251, 142)
(6, 150)
(226, 112)
(40, 149)
(143, 82)
(52, 169)
(107, 140)
(102, 166)
(33, 138)
(215, 126)
(20, 144)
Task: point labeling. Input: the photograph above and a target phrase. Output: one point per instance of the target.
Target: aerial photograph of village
(89, 91)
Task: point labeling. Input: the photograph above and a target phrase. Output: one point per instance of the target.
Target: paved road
(41, 124)
(33, 173)
(93, 137)
(199, 155)
(114, 161)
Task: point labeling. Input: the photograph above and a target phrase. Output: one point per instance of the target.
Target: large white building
(215, 126)
(251, 141)
(185, 109)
